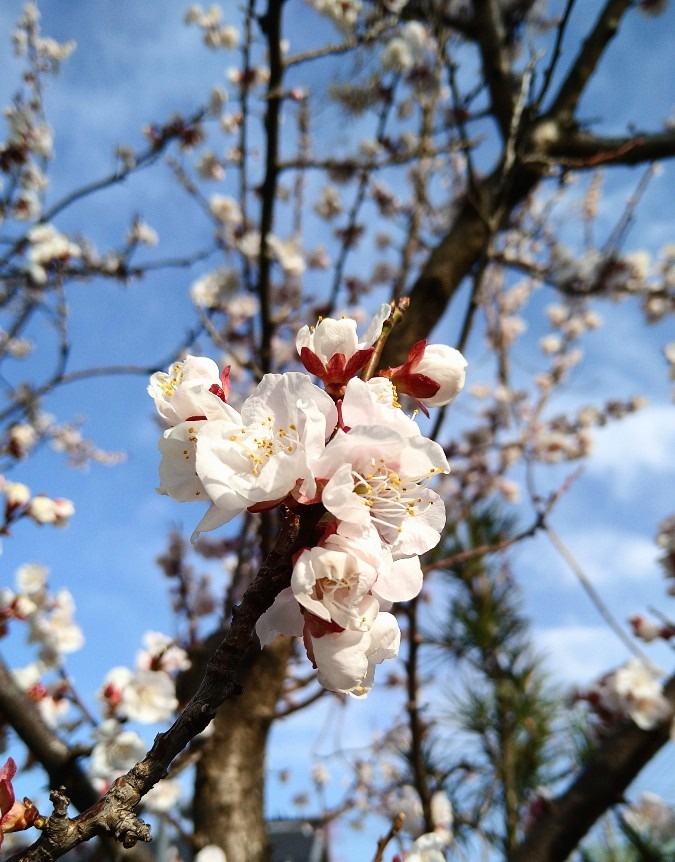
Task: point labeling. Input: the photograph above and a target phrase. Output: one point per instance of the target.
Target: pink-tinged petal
(21, 816)
(7, 772)
(225, 382)
(374, 329)
(283, 618)
(403, 583)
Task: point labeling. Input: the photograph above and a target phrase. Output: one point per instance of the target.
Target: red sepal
(312, 363)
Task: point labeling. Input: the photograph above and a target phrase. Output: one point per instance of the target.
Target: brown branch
(496, 68)
(601, 784)
(114, 812)
(586, 62)
(165, 134)
(483, 550)
(396, 827)
(21, 713)
(358, 163)
(272, 28)
(418, 726)
(583, 150)
(555, 57)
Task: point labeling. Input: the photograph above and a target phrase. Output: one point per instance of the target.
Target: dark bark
(229, 787)
(18, 710)
(114, 813)
(455, 257)
(601, 784)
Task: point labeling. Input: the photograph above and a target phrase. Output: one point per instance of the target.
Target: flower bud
(432, 375)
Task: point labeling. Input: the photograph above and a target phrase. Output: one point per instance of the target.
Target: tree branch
(496, 67)
(113, 813)
(51, 752)
(583, 150)
(601, 784)
(585, 64)
(272, 28)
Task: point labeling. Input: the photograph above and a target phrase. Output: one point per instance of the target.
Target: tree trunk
(484, 212)
(229, 787)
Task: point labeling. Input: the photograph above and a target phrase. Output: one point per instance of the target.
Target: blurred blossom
(210, 853)
(44, 510)
(226, 210)
(115, 751)
(163, 797)
(652, 817)
(209, 167)
(320, 775)
(216, 289)
(161, 653)
(343, 13)
(142, 233)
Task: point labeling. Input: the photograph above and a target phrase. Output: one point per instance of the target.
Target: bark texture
(601, 784)
(229, 798)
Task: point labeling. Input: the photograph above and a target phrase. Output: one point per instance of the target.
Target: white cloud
(580, 654)
(631, 452)
(608, 555)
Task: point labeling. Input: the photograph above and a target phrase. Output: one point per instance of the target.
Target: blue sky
(136, 63)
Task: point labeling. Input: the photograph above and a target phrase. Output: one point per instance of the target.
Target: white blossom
(343, 13)
(652, 817)
(428, 848)
(145, 695)
(226, 210)
(210, 853)
(288, 254)
(142, 233)
(217, 289)
(161, 653)
(346, 660)
(56, 631)
(45, 510)
(259, 459)
(377, 476)
(636, 690)
(115, 752)
(16, 493)
(163, 797)
(190, 389)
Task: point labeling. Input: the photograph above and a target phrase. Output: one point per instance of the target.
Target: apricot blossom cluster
(350, 447)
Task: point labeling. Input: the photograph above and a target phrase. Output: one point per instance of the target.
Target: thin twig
(595, 597)
(396, 827)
